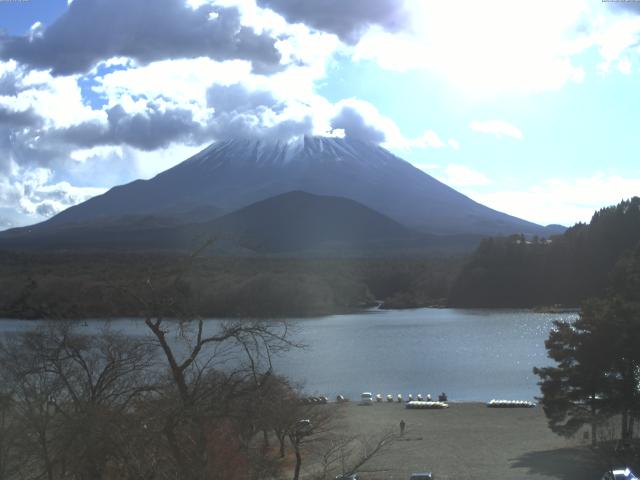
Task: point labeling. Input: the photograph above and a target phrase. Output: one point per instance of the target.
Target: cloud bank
(94, 30)
(348, 19)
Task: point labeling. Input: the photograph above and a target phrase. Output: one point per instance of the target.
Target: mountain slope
(291, 223)
(235, 173)
(299, 221)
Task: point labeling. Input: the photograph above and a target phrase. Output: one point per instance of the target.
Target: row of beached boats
(419, 402)
(510, 404)
(420, 405)
(399, 398)
(367, 398)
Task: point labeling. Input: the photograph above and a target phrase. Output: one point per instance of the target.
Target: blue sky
(531, 108)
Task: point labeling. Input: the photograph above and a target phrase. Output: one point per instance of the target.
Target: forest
(563, 270)
(106, 285)
(513, 272)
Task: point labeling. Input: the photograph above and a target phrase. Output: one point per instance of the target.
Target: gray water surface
(469, 354)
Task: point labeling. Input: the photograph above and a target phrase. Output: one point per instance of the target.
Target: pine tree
(575, 392)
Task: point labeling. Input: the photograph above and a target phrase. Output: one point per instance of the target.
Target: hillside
(514, 272)
(299, 221)
(291, 223)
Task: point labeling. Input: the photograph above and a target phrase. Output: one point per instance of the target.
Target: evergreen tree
(598, 360)
(575, 392)
(567, 269)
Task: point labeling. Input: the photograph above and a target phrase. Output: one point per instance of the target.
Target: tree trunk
(281, 440)
(45, 454)
(174, 448)
(296, 473)
(594, 427)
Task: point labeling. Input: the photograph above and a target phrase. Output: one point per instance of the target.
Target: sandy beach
(471, 441)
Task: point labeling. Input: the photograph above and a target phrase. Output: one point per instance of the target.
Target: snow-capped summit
(281, 153)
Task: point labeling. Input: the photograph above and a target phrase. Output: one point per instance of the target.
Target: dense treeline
(564, 270)
(100, 285)
(503, 272)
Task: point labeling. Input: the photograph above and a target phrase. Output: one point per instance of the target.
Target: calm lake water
(469, 354)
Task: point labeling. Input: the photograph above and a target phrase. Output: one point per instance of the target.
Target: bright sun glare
(488, 47)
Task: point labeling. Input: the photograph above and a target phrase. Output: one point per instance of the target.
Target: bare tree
(211, 366)
(74, 398)
(9, 430)
(309, 424)
(347, 454)
(187, 404)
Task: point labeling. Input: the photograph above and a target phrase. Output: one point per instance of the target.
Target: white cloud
(428, 139)
(372, 125)
(625, 66)
(36, 31)
(184, 82)
(563, 201)
(83, 154)
(462, 176)
(453, 143)
(58, 100)
(614, 36)
(498, 128)
(36, 198)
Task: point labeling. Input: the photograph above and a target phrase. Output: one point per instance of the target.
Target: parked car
(422, 476)
(625, 474)
(304, 427)
(366, 398)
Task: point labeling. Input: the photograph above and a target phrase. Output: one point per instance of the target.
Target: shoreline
(294, 316)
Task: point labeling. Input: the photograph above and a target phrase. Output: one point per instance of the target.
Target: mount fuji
(232, 174)
(384, 195)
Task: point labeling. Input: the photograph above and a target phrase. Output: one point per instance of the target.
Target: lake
(469, 354)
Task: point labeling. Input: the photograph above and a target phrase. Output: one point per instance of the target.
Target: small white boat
(426, 405)
(493, 403)
(366, 398)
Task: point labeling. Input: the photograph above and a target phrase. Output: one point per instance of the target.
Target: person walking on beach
(402, 425)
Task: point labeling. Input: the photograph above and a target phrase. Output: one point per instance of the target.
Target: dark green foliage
(97, 285)
(598, 360)
(576, 392)
(567, 269)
